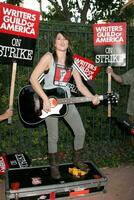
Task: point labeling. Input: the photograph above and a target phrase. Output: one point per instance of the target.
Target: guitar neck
(72, 100)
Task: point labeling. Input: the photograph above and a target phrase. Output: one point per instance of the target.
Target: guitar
(30, 105)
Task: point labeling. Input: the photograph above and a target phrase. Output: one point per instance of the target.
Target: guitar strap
(41, 78)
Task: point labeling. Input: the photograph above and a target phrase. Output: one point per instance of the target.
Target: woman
(58, 68)
(7, 114)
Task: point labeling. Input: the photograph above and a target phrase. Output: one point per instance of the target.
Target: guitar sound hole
(53, 102)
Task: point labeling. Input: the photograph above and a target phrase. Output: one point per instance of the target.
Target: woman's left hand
(95, 100)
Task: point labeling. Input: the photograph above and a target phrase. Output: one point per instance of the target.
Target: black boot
(78, 161)
(54, 167)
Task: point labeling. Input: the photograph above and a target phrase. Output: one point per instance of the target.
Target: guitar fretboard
(73, 100)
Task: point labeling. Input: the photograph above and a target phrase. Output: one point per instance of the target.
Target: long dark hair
(69, 55)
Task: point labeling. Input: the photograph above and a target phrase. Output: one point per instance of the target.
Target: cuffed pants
(74, 120)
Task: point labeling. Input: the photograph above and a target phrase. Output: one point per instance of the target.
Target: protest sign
(110, 44)
(18, 34)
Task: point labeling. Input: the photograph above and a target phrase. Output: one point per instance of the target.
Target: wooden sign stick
(109, 91)
(12, 86)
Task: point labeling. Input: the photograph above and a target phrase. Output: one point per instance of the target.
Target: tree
(14, 2)
(40, 3)
(108, 10)
(83, 11)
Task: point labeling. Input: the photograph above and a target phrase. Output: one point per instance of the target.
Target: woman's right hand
(46, 105)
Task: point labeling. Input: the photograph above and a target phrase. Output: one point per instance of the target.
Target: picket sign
(20, 37)
(109, 91)
(12, 86)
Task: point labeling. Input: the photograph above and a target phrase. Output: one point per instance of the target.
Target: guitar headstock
(111, 98)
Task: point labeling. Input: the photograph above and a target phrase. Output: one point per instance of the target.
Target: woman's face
(61, 43)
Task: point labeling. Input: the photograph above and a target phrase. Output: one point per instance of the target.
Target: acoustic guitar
(30, 105)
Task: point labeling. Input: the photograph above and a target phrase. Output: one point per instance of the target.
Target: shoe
(78, 161)
(54, 166)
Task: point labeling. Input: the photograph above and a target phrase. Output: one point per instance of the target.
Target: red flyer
(86, 67)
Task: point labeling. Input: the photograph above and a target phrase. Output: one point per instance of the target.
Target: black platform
(68, 185)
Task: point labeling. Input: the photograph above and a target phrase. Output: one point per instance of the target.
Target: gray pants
(74, 120)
